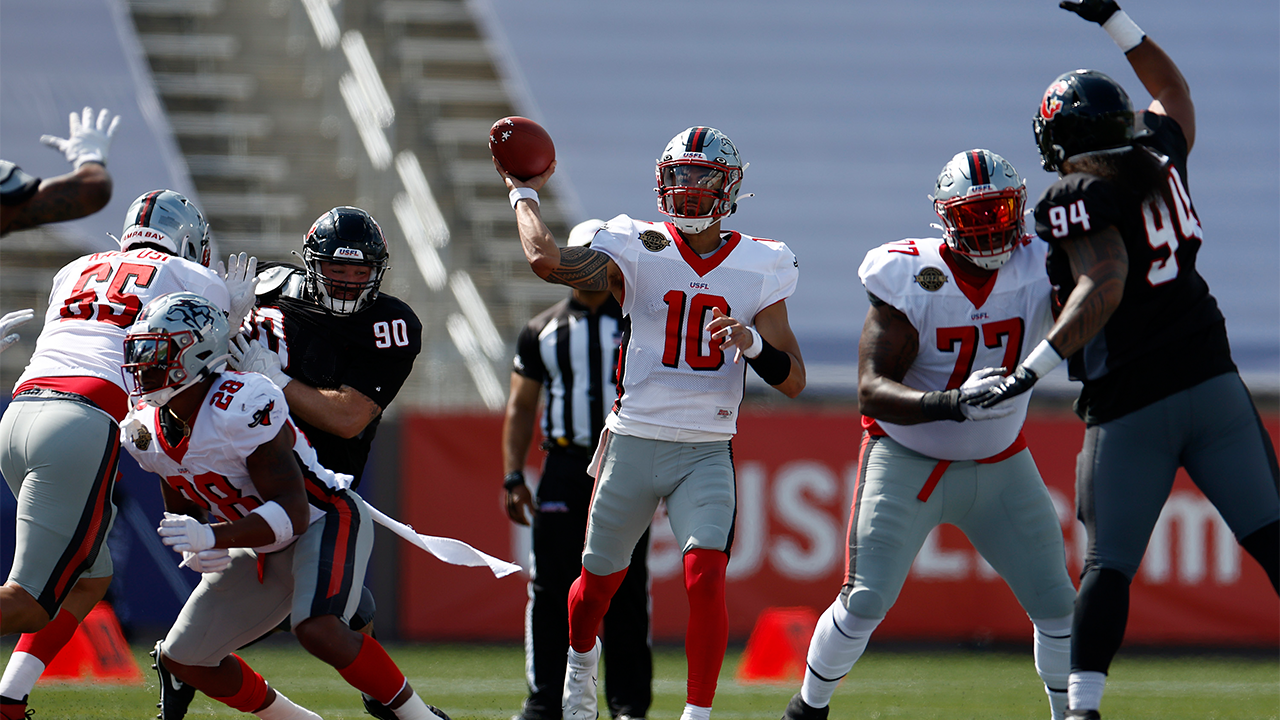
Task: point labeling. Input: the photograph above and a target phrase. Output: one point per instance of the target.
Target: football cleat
(175, 695)
(798, 709)
(1084, 715)
(438, 712)
(377, 709)
(580, 682)
(11, 709)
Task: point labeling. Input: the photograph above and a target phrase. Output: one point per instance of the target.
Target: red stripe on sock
(374, 673)
(252, 692)
(708, 632)
(45, 644)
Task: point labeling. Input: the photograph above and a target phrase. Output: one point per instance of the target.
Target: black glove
(1098, 11)
(1015, 384)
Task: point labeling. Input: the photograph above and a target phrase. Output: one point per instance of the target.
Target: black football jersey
(1167, 333)
(371, 351)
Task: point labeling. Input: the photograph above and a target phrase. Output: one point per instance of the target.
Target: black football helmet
(347, 236)
(1082, 111)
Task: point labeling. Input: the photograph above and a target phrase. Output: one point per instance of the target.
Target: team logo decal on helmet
(1052, 102)
(177, 340)
(345, 236)
(980, 200)
(654, 241)
(699, 175)
(931, 279)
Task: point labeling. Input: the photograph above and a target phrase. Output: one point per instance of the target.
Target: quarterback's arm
(775, 328)
(886, 350)
(1099, 264)
(577, 267)
(517, 434)
(81, 192)
(275, 473)
(344, 412)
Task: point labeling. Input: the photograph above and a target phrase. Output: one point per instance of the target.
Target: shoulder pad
(15, 185)
(273, 279)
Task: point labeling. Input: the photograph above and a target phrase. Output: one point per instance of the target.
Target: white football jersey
(241, 411)
(674, 374)
(962, 329)
(97, 297)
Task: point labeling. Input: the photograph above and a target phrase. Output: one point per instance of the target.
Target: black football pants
(559, 529)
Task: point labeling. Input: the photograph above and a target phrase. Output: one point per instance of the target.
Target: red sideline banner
(796, 475)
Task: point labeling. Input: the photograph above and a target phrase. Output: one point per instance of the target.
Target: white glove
(207, 561)
(185, 534)
(977, 384)
(11, 321)
(252, 356)
(88, 143)
(241, 276)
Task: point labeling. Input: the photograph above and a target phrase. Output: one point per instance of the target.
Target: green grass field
(487, 682)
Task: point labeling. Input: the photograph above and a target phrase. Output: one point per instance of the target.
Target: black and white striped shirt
(574, 354)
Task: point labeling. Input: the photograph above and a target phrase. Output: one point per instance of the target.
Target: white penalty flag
(454, 552)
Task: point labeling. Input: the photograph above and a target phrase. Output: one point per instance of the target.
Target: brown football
(522, 146)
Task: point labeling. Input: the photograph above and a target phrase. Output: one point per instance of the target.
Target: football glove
(214, 560)
(250, 356)
(1098, 11)
(11, 321)
(185, 534)
(1037, 364)
(88, 142)
(241, 276)
(978, 384)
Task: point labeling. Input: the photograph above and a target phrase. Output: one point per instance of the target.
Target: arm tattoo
(1100, 265)
(582, 268)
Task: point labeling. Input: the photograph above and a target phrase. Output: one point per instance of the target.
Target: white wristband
(277, 518)
(1123, 31)
(757, 344)
(518, 194)
(1042, 359)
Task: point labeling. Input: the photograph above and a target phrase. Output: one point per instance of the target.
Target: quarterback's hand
(88, 142)
(252, 356)
(207, 561)
(241, 277)
(978, 384)
(184, 534)
(733, 334)
(519, 504)
(11, 321)
(1098, 11)
(536, 182)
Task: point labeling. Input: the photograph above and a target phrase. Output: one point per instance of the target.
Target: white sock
(839, 639)
(20, 675)
(282, 708)
(1053, 660)
(1084, 691)
(415, 709)
(693, 712)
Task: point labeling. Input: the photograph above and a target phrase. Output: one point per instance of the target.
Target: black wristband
(512, 480)
(940, 405)
(772, 365)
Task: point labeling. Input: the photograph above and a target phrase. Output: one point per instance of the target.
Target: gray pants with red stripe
(1002, 507)
(59, 459)
(321, 573)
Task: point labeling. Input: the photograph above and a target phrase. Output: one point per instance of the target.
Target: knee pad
(863, 603)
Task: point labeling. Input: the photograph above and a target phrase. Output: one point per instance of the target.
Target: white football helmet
(980, 199)
(167, 220)
(177, 340)
(698, 164)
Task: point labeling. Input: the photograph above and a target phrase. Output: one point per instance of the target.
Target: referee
(571, 349)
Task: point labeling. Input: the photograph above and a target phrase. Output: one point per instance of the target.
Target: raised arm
(1169, 91)
(577, 267)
